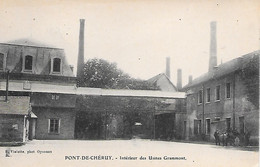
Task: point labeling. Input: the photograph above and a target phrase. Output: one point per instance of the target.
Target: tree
(99, 73)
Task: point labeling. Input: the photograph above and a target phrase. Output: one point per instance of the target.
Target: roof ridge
(29, 42)
(226, 67)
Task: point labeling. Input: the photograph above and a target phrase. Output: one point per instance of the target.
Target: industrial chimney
(179, 79)
(80, 64)
(213, 46)
(168, 68)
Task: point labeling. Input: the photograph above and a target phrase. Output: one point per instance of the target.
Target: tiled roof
(16, 105)
(224, 69)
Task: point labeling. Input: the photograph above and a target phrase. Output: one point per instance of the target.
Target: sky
(138, 34)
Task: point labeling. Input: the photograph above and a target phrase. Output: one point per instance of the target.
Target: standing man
(216, 135)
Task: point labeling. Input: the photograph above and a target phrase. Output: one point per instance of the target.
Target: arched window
(28, 62)
(56, 65)
(1, 61)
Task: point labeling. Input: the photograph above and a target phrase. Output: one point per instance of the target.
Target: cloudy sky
(138, 34)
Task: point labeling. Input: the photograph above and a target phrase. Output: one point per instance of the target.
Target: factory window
(197, 127)
(228, 123)
(208, 95)
(55, 97)
(184, 127)
(207, 126)
(1, 61)
(56, 65)
(217, 93)
(228, 90)
(28, 63)
(200, 97)
(54, 125)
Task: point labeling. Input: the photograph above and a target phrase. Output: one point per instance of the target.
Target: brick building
(227, 97)
(224, 98)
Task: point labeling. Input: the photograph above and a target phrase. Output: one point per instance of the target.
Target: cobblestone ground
(120, 153)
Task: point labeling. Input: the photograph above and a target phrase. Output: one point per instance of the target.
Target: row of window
(28, 63)
(54, 125)
(197, 125)
(1, 61)
(217, 93)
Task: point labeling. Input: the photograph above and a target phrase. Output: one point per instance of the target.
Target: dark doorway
(32, 125)
(241, 125)
(184, 129)
(228, 123)
(89, 125)
(164, 126)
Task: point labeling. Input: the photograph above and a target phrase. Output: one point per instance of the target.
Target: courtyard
(134, 152)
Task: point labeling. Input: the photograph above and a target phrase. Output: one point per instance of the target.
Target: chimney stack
(80, 64)
(190, 79)
(213, 46)
(179, 79)
(168, 68)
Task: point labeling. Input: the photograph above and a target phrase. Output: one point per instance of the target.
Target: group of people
(233, 137)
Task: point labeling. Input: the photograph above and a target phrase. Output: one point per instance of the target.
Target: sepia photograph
(156, 83)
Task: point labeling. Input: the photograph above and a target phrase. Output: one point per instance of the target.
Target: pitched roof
(29, 42)
(16, 105)
(154, 79)
(42, 54)
(224, 69)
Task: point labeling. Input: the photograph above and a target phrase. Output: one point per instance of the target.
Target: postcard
(129, 83)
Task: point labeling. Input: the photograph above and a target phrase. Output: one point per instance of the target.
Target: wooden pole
(154, 123)
(7, 84)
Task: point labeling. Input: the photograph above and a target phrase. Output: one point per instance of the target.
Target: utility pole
(203, 110)
(154, 125)
(106, 125)
(7, 84)
(234, 105)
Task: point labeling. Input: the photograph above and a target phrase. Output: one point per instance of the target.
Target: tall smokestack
(179, 79)
(213, 46)
(80, 64)
(168, 68)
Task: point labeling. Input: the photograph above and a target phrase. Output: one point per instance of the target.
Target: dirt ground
(137, 152)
